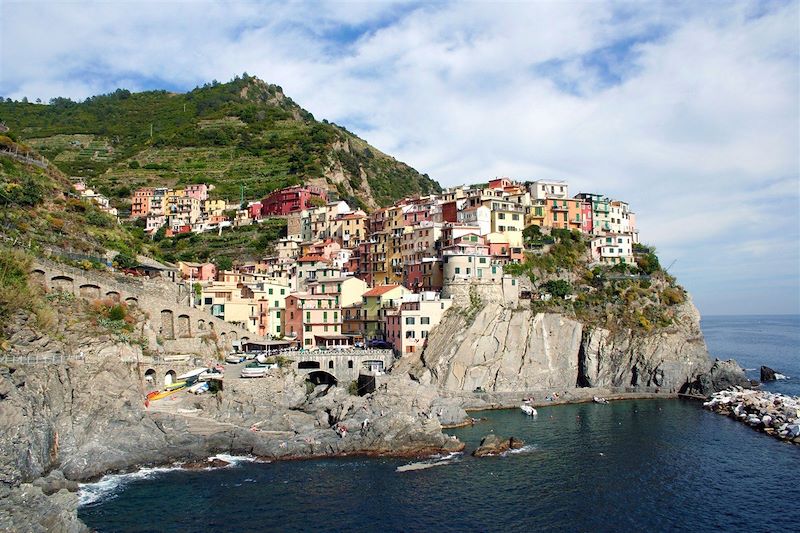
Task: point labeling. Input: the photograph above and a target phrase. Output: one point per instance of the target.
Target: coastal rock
(493, 445)
(722, 375)
(211, 462)
(507, 349)
(767, 374)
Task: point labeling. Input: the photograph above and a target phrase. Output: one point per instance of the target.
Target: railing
(53, 359)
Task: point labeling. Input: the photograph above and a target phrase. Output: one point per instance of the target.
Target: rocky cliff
(513, 349)
(84, 418)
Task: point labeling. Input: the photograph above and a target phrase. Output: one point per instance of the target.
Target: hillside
(244, 133)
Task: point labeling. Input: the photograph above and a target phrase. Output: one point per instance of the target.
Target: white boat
(199, 388)
(189, 375)
(253, 370)
(528, 410)
(599, 400)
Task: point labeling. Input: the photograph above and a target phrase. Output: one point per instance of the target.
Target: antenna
(670, 265)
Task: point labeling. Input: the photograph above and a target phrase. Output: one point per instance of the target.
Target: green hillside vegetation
(231, 246)
(39, 211)
(641, 297)
(244, 133)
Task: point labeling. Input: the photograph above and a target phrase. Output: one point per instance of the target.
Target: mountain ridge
(245, 136)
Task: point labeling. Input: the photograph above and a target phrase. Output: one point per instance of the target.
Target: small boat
(199, 388)
(599, 400)
(175, 386)
(528, 410)
(164, 394)
(151, 394)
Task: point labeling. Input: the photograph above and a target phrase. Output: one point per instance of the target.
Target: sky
(687, 110)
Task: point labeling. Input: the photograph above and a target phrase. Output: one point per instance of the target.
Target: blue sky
(687, 110)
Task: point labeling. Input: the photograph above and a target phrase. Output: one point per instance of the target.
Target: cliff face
(507, 349)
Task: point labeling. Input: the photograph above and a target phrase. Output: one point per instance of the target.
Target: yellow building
(374, 305)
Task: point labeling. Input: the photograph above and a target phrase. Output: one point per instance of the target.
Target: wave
(109, 485)
(528, 448)
(781, 376)
(436, 460)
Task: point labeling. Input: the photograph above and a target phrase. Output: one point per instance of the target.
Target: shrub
(133, 165)
(558, 288)
(673, 296)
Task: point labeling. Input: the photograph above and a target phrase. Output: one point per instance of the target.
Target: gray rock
(493, 445)
(767, 374)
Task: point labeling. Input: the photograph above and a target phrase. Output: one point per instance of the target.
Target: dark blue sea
(640, 465)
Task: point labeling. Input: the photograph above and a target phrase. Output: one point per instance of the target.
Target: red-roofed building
(291, 200)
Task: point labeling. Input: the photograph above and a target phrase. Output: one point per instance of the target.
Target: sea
(636, 465)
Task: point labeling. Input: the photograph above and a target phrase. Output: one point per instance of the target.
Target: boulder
(211, 462)
(767, 374)
(722, 375)
(493, 445)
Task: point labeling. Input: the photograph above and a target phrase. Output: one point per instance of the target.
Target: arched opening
(167, 324)
(305, 365)
(169, 377)
(375, 365)
(320, 377)
(61, 283)
(233, 335)
(38, 276)
(184, 329)
(150, 376)
(330, 364)
(114, 295)
(89, 291)
(130, 300)
(223, 340)
(350, 363)
(201, 324)
(245, 339)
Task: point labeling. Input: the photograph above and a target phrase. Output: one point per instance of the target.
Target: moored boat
(528, 410)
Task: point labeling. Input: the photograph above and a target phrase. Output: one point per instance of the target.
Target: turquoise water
(640, 465)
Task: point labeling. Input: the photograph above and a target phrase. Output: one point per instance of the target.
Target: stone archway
(131, 301)
(201, 325)
(114, 295)
(39, 277)
(167, 324)
(62, 283)
(169, 377)
(89, 291)
(184, 327)
(320, 377)
(150, 376)
(223, 340)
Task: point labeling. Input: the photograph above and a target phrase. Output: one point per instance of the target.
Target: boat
(599, 400)
(192, 375)
(175, 386)
(254, 370)
(199, 388)
(164, 394)
(528, 410)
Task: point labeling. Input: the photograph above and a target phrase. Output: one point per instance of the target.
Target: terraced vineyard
(242, 134)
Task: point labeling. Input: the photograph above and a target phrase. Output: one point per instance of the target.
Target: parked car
(234, 358)
(254, 370)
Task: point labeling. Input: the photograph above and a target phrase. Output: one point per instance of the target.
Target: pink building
(198, 271)
(197, 190)
(586, 217)
(310, 318)
(292, 200)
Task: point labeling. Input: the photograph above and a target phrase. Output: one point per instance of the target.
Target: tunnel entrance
(321, 377)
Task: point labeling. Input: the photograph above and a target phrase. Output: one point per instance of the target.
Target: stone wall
(345, 366)
(504, 291)
(170, 326)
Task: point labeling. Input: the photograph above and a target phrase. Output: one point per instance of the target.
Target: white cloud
(688, 111)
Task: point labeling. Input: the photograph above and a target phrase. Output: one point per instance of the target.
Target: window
(425, 320)
(208, 301)
(458, 270)
(515, 217)
(277, 303)
(336, 316)
(308, 316)
(307, 327)
(482, 260)
(501, 216)
(270, 291)
(325, 328)
(278, 314)
(410, 334)
(283, 291)
(325, 316)
(330, 364)
(350, 364)
(409, 320)
(424, 334)
(307, 342)
(278, 328)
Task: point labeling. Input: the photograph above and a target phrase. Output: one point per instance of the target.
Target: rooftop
(383, 289)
